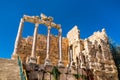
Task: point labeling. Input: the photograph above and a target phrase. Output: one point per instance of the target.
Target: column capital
(36, 24)
(60, 30)
(22, 20)
(49, 27)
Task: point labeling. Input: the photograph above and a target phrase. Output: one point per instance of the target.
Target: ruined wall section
(25, 48)
(74, 41)
(73, 35)
(98, 57)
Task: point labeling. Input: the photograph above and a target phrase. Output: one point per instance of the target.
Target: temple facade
(92, 53)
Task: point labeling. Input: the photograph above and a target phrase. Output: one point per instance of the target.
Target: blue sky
(89, 15)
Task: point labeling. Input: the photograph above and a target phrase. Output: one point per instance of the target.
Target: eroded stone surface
(25, 49)
(9, 70)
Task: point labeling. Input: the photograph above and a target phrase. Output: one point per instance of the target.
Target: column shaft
(71, 55)
(19, 36)
(47, 60)
(34, 41)
(60, 63)
(48, 43)
(60, 45)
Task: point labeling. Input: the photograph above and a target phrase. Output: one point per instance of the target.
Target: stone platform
(9, 70)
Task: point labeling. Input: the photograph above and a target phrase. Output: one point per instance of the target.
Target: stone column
(47, 60)
(71, 56)
(33, 55)
(72, 63)
(18, 38)
(60, 63)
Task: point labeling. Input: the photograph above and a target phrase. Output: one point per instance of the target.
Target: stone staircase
(9, 70)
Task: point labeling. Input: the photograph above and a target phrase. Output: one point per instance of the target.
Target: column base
(32, 60)
(60, 64)
(83, 65)
(72, 64)
(47, 62)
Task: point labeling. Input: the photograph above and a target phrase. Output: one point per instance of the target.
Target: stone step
(9, 70)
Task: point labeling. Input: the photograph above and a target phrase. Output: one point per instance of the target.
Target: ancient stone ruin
(63, 58)
(47, 21)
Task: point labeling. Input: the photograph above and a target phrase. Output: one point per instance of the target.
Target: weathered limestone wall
(9, 70)
(74, 41)
(94, 54)
(98, 57)
(73, 35)
(25, 48)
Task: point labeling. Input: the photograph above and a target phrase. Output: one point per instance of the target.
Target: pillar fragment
(60, 63)
(47, 60)
(33, 54)
(18, 38)
(72, 63)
